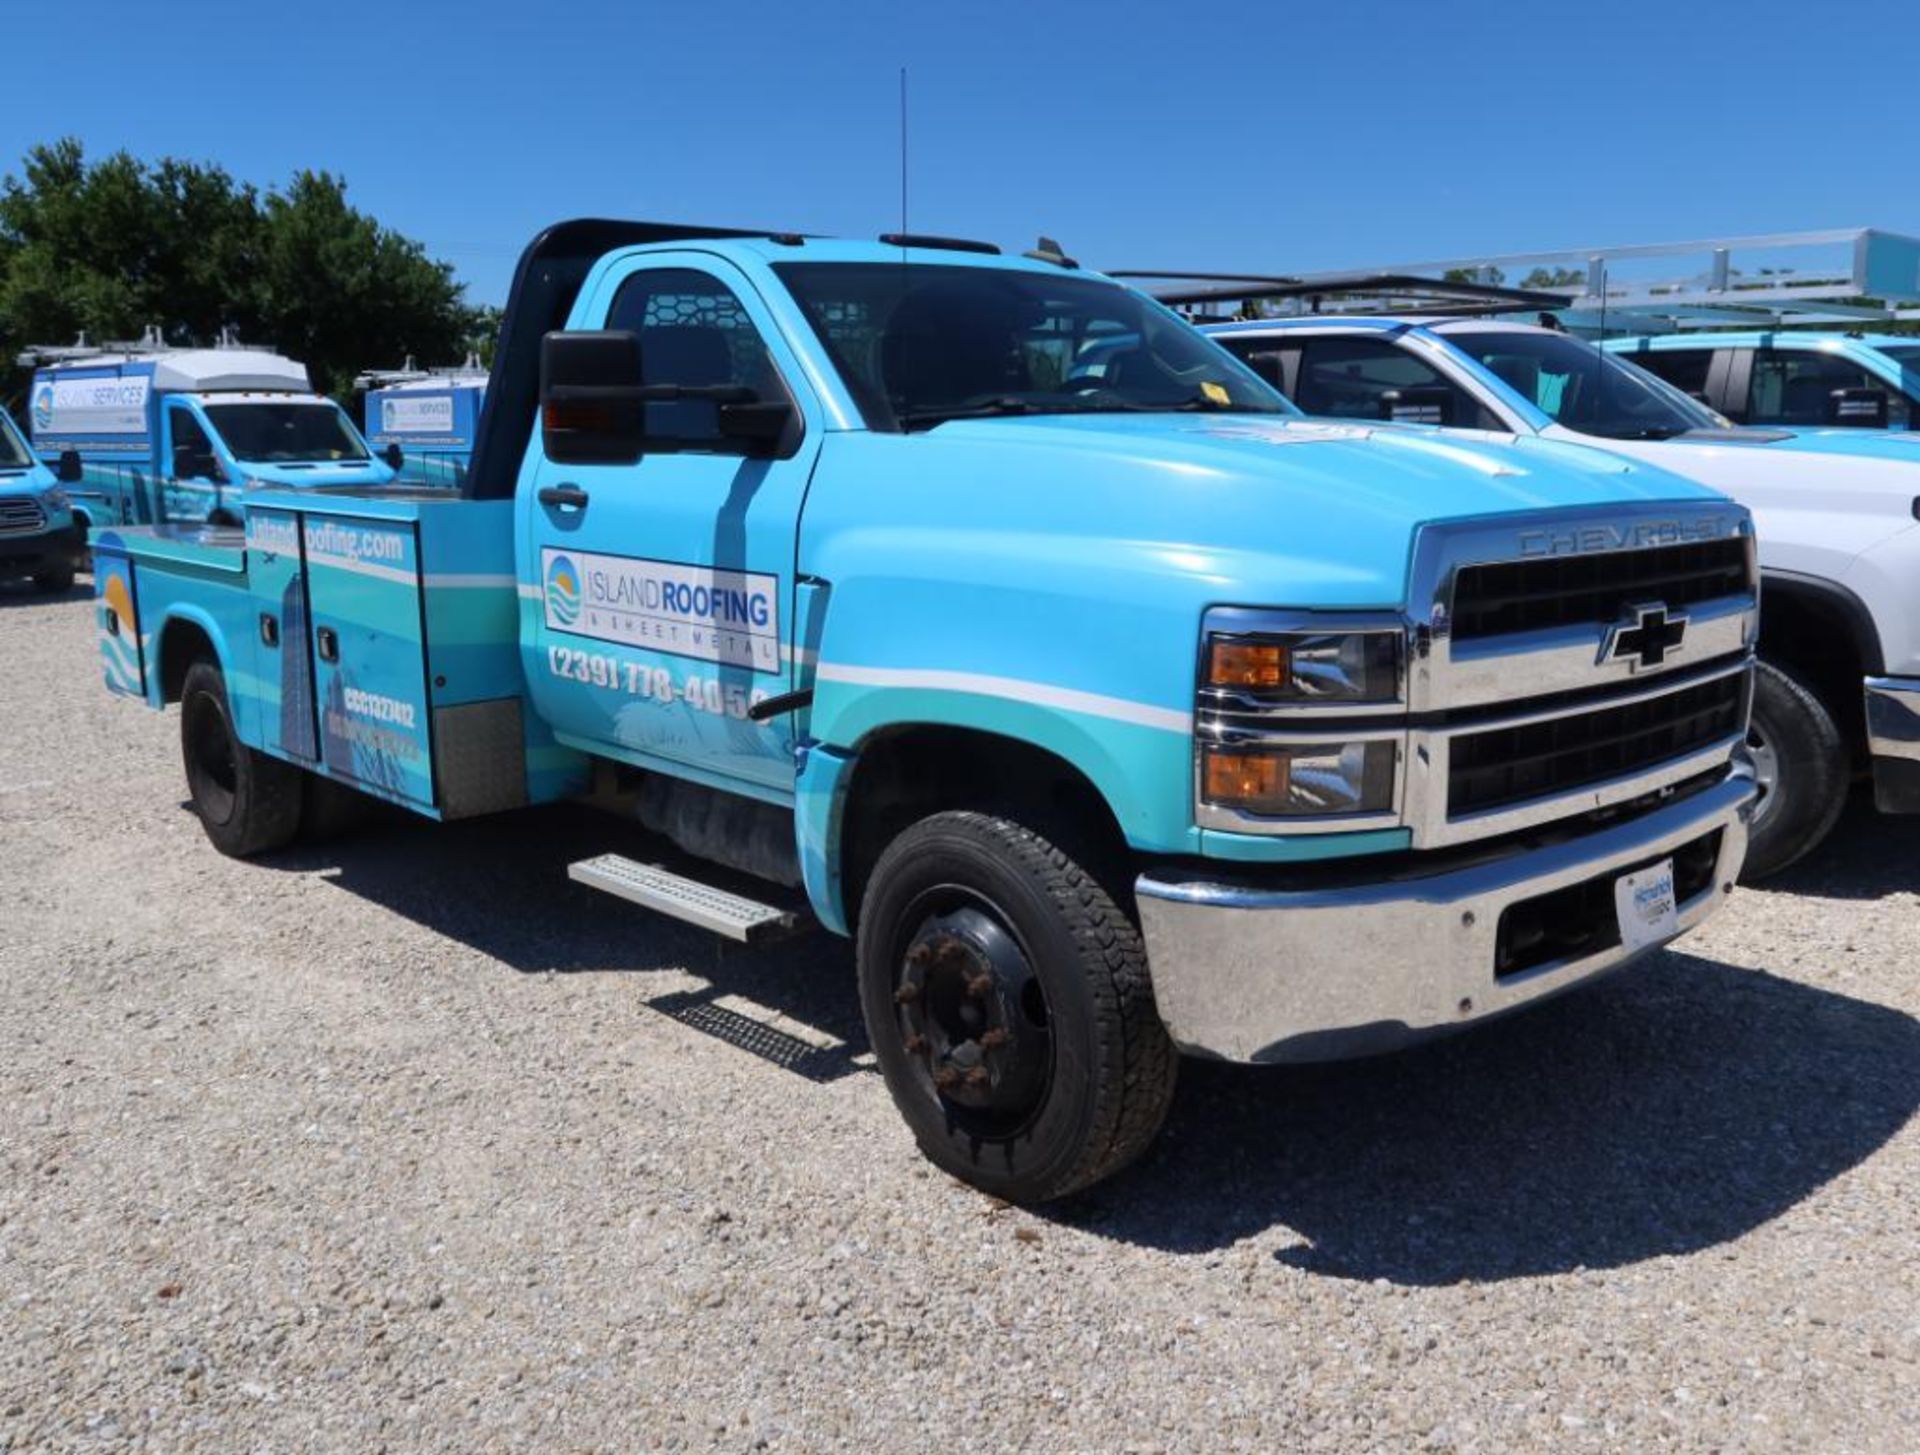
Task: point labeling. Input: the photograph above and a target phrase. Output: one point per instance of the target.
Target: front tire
(1007, 999)
(248, 802)
(1800, 759)
(56, 579)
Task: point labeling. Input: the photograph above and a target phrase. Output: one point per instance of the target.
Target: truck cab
(161, 435)
(978, 609)
(422, 421)
(1839, 683)
(1801, 380)
(39, 539)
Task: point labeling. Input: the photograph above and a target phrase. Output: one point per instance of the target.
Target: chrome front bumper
(1893, 737)
(1245, 970)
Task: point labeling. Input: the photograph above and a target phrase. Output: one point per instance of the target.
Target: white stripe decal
(529, 593)
(362, 568)
(1012, 688)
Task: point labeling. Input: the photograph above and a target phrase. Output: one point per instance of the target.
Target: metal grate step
(732, 915)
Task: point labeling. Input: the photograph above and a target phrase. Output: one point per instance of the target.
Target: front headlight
(1301, 779)
(1299, 720)
(55, 499)
(1287, 668)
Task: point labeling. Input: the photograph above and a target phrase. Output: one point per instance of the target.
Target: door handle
(564, 496)
(327, 640)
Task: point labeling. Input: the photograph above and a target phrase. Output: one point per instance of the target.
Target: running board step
(732, 915)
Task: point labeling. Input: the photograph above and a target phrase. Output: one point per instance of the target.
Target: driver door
(191, 475)
(666, 588)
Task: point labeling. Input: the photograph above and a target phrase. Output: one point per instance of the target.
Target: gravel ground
(405, 1143)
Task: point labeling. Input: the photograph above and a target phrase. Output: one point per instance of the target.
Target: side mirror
(1421, 404)
(592, 407)
(1859, 408)
(68, 469)
(394, 456)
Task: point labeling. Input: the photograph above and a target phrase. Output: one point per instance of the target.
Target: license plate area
(1586, 918)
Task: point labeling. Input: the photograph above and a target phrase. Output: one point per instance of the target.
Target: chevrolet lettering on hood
(1640, 534)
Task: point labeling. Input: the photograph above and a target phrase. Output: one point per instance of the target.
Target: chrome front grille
(1499, 766)
(1500, 598)
(1528, 697)
(21, 515)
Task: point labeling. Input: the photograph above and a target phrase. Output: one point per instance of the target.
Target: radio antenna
(903, 153)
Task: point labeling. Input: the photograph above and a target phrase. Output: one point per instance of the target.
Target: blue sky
(1225, 135)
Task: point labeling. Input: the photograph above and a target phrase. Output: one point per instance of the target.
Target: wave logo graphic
(43, 407)
(563, 591)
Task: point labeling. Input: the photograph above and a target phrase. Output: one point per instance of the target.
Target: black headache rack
(545, 284)
(1348, 292)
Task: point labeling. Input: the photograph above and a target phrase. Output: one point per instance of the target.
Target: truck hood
(1280, 511)
(319, 472)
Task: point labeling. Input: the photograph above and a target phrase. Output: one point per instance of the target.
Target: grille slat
(21, 516)
(1500, 598)
(1508, 765)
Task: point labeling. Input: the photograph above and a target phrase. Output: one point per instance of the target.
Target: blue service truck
(979, 609)
(145, 434)
(39, 538)
(1803, 379)
(423, 421)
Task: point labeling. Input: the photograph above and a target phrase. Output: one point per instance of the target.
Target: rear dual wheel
(1007, 999)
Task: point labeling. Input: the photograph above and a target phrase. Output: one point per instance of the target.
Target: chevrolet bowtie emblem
(1645, 636)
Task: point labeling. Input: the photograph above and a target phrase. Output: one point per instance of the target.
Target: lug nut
(946, 1078)
(979, 985)
(994, 1038)
(906, 994)
(977, 1076)
(917, 1045)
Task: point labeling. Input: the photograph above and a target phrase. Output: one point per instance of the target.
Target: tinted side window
(1795, 387)
(693, 332)
(192, 450)
(1685, 369)
(1265, 356)
(1355, 378)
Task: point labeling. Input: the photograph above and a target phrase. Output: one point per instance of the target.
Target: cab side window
(1685, 369)
(1791, 386)
(192, 451)
(1363, 378)
(695, 333)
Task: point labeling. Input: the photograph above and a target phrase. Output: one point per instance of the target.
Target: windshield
(922, 344)
(13, 450)
(278, 434)
(1907, 356)
(1585, 388)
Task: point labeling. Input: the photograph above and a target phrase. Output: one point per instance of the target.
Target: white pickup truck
(1837, 513)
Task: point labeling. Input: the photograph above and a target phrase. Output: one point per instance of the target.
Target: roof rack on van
(411, 373)
(151, 344)
(1320, 293)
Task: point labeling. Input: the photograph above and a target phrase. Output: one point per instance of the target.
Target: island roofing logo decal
(43, 407)
(563, 591)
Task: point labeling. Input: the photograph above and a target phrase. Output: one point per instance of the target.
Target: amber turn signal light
(1247, 664)
(1246, 780)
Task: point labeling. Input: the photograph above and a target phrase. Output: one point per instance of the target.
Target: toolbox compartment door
(122, 658)
(283, 642)
(367, 634)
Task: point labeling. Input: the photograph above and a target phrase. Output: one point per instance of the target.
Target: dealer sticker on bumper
(1645, 904)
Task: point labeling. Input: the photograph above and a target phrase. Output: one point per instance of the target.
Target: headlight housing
(54, 498)
(1300, 721)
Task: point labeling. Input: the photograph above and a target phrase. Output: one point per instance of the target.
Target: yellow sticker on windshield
(1215, 393)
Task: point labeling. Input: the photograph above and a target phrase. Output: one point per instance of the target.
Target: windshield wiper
(977, 409)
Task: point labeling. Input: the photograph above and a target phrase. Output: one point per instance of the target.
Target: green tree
(115, 246)
(1555, 278)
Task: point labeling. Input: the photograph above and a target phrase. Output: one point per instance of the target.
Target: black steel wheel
(1007, 998)
(1802, 768)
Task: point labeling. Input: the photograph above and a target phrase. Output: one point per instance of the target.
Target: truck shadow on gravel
(500, 885)
(25, 593)
(1869, 856)
(1667, 1110)
(1670, 1109)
